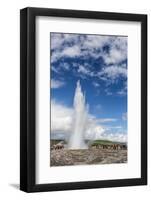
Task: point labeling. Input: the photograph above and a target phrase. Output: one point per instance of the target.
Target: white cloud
(96, 84)
(61, 118)
(55, 56)
(83, 70)
(111, 73)
(61, 46)
(94, 130)
(117, 52)
(56, 40)
(106, 120)
(65, 66)
(62, 66)
(112, 49)
(108, 92)
(114, 127)
(54, 69)
(96, 41)
(117, 137)
(56, 84)
(124, 116)
(83, 46)
(74, 45)
(123, 90)
(71, 51)
(61, 124)
(115, 56)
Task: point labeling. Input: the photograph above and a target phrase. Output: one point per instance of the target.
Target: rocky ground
(64, 157)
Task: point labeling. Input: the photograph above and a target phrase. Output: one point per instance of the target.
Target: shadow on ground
(14, 185)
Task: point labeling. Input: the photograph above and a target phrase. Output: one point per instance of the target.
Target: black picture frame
(28, 99)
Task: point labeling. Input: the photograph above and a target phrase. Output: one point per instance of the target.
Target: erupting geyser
(76, 140)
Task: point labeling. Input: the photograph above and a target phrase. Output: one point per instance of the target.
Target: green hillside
(107, 142)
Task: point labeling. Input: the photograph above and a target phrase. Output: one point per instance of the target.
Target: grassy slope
(102, 142)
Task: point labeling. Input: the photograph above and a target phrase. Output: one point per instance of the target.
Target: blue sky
(100, 63)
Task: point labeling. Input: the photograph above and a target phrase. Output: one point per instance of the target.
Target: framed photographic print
(83, 95)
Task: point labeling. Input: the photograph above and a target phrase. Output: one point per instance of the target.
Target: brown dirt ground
(65, 157)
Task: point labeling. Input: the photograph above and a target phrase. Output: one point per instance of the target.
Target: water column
(76, 139)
